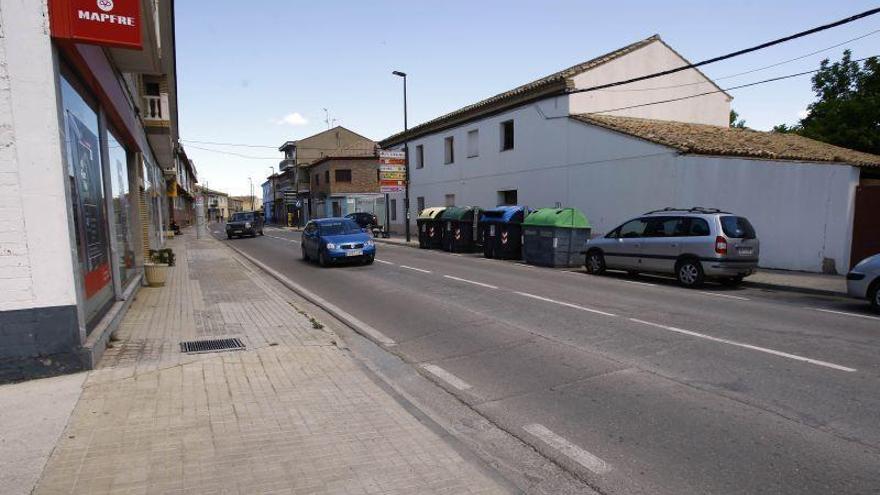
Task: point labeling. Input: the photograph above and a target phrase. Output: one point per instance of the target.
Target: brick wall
(364, 178)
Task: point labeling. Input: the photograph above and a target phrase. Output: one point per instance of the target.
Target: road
(636, 385)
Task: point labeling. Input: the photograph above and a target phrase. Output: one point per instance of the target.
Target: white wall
(802, 211)
(710, 109)
(36, 266)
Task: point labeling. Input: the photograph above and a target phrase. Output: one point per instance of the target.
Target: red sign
(99, 22)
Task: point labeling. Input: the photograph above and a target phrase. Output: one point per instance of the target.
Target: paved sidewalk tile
(291, 414)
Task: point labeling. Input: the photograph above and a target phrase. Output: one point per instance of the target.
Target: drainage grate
(212, 345)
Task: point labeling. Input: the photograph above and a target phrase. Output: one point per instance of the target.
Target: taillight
(720, 245)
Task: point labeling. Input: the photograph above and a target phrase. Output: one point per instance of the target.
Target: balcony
(286, 163)
(155, 110)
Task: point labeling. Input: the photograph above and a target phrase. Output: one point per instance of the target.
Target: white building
(610, 155)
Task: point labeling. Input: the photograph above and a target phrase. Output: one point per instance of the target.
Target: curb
(349, 320)
(791, 288)
(392, 243)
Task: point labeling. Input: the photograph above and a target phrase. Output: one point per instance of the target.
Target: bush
(164, 256)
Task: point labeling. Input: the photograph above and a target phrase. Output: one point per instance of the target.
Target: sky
(261, 72)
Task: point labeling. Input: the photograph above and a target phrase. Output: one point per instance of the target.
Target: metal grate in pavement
(211, 345)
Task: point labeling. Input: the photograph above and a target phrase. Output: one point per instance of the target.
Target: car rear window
(737, 227)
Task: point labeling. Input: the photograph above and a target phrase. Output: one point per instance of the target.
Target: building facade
(217, 205)
(84, 188)
(546, 144)
(345, 184)
(294, 197)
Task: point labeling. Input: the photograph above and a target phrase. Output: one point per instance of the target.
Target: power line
(737, 53)
(232, 153)
(732, 88)
(230, 144)
(748, 71)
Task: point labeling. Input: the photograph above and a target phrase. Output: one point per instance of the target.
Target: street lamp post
(405, 157)
(272, 178)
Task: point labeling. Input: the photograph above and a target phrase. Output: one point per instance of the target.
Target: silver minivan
(692, 244)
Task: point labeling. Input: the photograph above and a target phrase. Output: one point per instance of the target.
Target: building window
(473, 143)
(420, 204)
(327, 176)
(507, 198)
(507, 135)
(449, 150)
(317, 180)
(393, 210)
(343, 175)
(420, 156)
(450, 200)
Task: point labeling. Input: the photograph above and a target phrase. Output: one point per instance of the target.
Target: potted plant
(156, 269)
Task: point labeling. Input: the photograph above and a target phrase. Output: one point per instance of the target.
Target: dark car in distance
(244, 223)
(364, 220)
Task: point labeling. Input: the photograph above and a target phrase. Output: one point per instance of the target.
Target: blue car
(332, 240)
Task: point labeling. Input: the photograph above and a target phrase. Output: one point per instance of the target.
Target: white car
(863, 281)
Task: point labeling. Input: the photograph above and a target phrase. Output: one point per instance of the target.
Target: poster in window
(85, 157)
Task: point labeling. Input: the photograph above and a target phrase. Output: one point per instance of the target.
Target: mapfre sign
(100, 22)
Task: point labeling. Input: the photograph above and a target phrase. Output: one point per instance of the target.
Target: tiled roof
(714, 140)
(558, 81)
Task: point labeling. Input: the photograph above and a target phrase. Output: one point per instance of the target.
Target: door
(309, 239)
(625, 248)
(661, 244)
(866, 224)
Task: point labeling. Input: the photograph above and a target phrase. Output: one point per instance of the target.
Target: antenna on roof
(327, 117)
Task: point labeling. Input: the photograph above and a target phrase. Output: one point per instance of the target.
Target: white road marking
(481, 284)
(455, 254)
(646, 284)
(728, 296)
(525, 265)
(416, 269)
(561, 303)
(844, 313)
(446, 376)
(384, 262)
(568, 449)
(747, 346)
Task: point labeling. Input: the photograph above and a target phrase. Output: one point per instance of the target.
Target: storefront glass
(122, 207)
(85, 177)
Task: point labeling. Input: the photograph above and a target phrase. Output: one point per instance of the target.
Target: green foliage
(735, 121)
(847, 110)
(163, 256)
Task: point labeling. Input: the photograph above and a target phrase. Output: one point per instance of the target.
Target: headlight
(330, 245)
(369, 243)
(247, 225)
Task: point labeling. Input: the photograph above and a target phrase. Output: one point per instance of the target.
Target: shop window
(122, 206)
(85, 176)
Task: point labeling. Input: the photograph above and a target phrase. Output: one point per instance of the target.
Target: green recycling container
(555, 237)
(460, 228)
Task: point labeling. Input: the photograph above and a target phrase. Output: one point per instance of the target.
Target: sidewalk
(293, 413)
(783, 280)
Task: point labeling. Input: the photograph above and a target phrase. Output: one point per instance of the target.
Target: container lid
(431, 213)
(457, 213)
(558, 217)
(500, 213)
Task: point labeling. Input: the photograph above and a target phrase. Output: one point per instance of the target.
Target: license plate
(236, 232)
(354, 252)
(745, 251)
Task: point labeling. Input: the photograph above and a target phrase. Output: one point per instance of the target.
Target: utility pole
(272, 179)
(405, 158)
(251, 180)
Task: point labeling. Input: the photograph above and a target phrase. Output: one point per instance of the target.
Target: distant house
(291, 193)
(614, 155)
(345, 184)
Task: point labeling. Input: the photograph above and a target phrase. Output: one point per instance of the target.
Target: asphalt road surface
(637, 385)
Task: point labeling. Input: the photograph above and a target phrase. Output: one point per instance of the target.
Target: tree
(735, 121)
(847, 110)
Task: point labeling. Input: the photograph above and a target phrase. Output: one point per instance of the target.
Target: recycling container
(460, 228)
(501, 229)
(555, 237)
(429, 227)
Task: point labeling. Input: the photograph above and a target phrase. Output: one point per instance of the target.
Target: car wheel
(368, 260)
(261, 232)
(595, 263)
(732, 281)
(689, 273)
(874, 295)
(322, 258)
(305, 254)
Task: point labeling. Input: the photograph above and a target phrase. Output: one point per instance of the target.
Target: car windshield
(339, 228)
(242, 217)
(737, 227)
